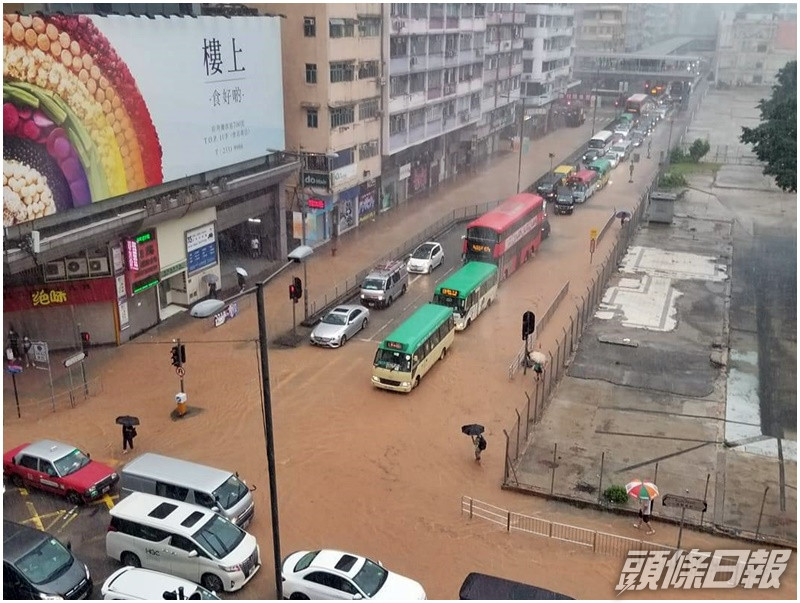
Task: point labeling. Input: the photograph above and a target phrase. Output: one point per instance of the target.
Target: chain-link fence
(61, 398)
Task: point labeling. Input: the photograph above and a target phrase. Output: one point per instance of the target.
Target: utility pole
(303, 214)
(521, 128)
(594, 113)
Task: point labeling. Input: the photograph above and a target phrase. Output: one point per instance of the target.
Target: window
(527, 66)
(47, 468)
(311, 73)
(368, 69)
(417, 82)
(398, 47)
(29, 462)
(203, 499)
(417, 118)
(309, 27)
(397, 124)
(341, 116)
(345, 157)
(399, 9)
(183, 543)
(368, 149)
(340, 28)
(368, 109)
(369, 27)
(398, 85)
(171, 491)
(312, 118)
(343, 71)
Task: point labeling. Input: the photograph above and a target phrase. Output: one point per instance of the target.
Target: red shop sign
(71, 293)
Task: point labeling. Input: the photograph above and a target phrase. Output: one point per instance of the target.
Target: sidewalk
(356, 250)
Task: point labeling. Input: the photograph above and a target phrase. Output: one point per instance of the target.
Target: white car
(612, 158)
(426, 258)
(328, 574)
(339, 325)
(134, 583)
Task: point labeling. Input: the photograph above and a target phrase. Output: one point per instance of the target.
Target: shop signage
(230, 312)
(73, 293)
(147, 257)
(367, 200)
(117, 260)
(124, 320)
(405, 171)
(316, 203)
(131, 254)
(167, 272)
(343, 174)
(201, 247)
(315, 179)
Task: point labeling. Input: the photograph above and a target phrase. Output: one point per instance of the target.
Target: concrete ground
(687, 373)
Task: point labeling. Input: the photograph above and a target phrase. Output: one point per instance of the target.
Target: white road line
(391, 320)
(413, 302)
(413, 280)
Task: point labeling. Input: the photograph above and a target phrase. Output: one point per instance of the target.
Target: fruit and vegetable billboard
(97, 107)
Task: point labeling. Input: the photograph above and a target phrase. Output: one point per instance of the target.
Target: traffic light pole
(294, 317)
(180, 365)
(303, 215)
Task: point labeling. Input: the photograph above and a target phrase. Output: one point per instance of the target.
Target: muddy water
(365, 470)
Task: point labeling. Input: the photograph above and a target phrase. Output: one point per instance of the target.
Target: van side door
(179, 560)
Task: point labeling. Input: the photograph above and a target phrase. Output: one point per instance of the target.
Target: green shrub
(698, 149)
(672, 180)
(616, 495)
(677, 156)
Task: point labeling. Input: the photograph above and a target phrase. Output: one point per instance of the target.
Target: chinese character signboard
(53, 295)
(146, 275)
(201, 248)
(126, 103)
(367, 200)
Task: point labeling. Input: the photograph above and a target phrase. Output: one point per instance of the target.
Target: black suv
(37, 566)
(547, 187)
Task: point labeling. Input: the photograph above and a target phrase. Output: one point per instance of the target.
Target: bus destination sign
(479, 248)
(394, 345)
(449, 292)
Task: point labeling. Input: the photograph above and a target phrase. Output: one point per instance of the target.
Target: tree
(774, 140)
(698, 149)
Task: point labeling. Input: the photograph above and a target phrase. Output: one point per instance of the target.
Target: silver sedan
(339, 325)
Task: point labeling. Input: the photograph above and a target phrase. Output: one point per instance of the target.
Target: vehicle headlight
(86, 569)
(231, 568)
(363, 296)
(380, 297)
(375, 379)
(91, 491)
(114, 476)
(404, 384)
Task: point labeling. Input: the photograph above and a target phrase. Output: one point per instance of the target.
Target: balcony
(449, 89)
(436, 60)
(416, 26)
(436, 23)
(451, 57)
(416, 134)
(416, 99)
(517, 43)
(434, 93)
(466, 56)
(519, 17)
(451, 23)
(539, 101)
(418, 63)
(398, 103)
(475, 84)
(398, 141)
(489, 75)
(462, 88)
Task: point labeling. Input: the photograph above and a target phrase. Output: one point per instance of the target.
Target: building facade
(332, 74)
(754, 43)
(602, 27)
(147, 174)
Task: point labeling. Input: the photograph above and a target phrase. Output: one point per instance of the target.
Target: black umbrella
(624, 215)
(472, 430)
(127, 420)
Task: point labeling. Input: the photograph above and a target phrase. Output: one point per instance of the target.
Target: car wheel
(389, 301)
(299, 596)
(416, 382)
(364, 324)
(16, 480)
(128, 558)
(444, 354)
(343, 341)
(74, 498)
(212, 583)
(403, 291)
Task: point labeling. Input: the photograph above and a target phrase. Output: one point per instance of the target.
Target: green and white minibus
(413, 348)
(468, 292)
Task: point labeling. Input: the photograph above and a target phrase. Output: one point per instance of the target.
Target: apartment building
(332, 78)
(754, 43)
(602, 27)
(546, 58)
(502, 77)
(434, 61)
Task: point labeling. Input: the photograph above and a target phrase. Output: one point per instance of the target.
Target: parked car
(60, 469)
(134, 583)
(329, 574)
(425, 258)
(37, 566)
(339, 325)
(485, 587)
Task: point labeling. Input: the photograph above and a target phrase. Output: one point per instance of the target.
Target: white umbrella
(539, 357)
(210, 278)
(242, 271)
(206, 308)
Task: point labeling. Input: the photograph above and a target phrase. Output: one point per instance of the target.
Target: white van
(137, 584)
(601, 142)
(181, 539)
(219, 490)
(622, 149)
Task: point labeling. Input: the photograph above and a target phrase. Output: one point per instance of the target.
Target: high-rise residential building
(547, 55)
(332, 78)
(755, 42)
(434, 62)
(602, 27)
(502, 75)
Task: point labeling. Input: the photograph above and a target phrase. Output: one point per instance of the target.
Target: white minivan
(183, 540)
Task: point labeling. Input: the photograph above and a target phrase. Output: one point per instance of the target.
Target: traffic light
(292, 292)
(298, 287)
(528, 324)
(176, 356)
(86, 341)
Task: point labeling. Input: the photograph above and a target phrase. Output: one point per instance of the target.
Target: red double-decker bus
(509, 234)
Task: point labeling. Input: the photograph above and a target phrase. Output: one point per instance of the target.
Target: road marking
(391, 320)
(34, 516)
(68, 518)
(413, 302)
(411, 281)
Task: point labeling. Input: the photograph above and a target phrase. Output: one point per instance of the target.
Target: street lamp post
(594, 112)
(303, 216)
(551, 156)
(521, 133)
(669, 140)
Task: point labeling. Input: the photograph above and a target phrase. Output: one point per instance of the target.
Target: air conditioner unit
(398, 25)
(382, 81)
(55, 271)
(413, 61)
(77, 267)
(450, 53)
(99, 267)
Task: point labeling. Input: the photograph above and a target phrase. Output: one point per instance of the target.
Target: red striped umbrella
(642, 490)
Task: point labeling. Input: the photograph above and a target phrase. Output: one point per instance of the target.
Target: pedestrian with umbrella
(537, 361)
(211, 281)
(128, 431)
(644, 492)
(241, 276)
(475, 432)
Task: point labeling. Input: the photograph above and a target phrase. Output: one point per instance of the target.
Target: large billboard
(96, 107)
